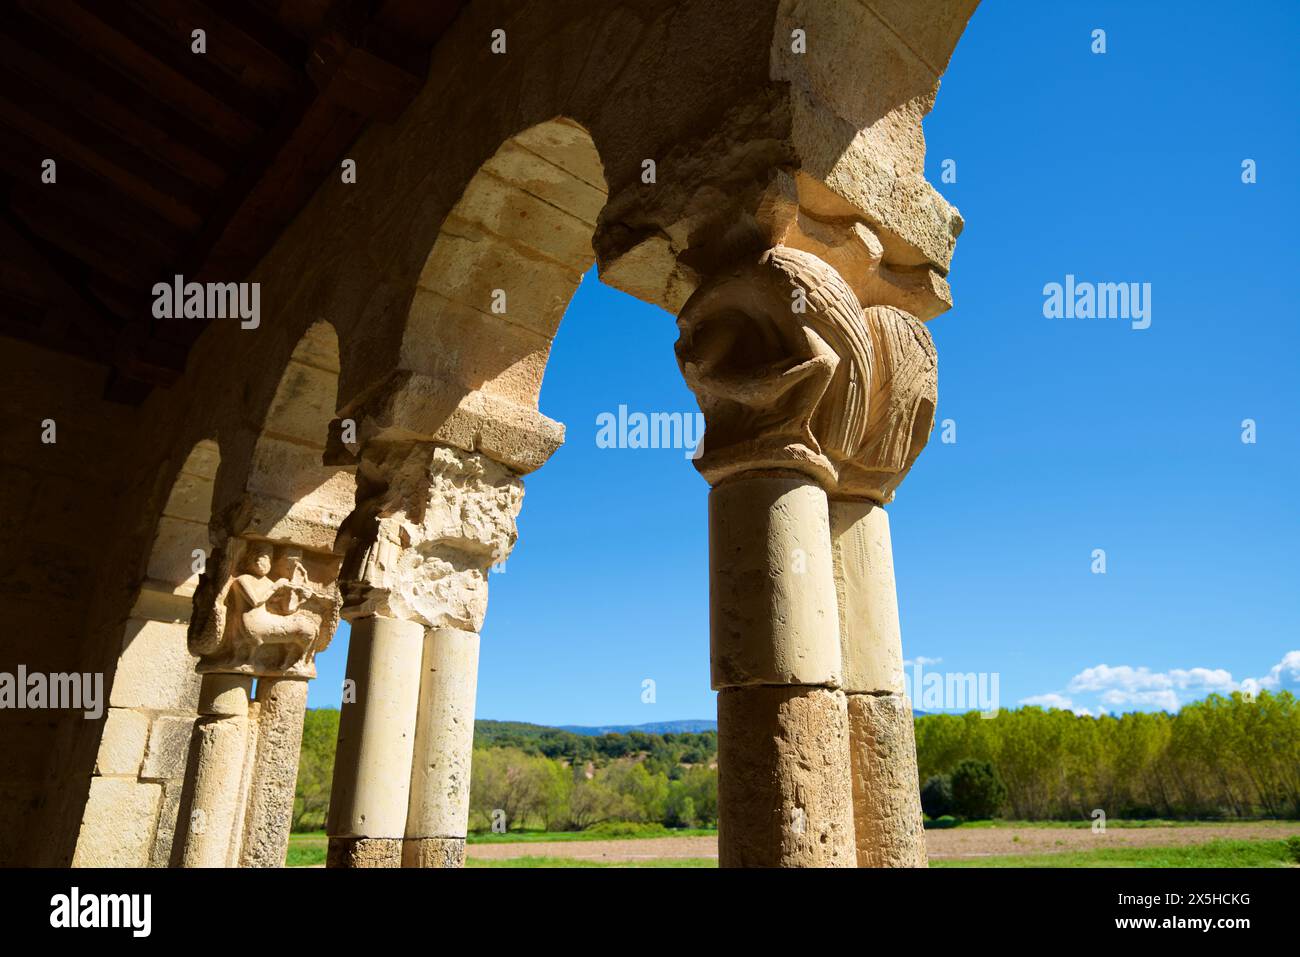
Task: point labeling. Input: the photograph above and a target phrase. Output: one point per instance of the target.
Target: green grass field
(1213, 854)
(1110, 823)
(306, 850)
(571, 862)
(526, 837)
(1209, 854)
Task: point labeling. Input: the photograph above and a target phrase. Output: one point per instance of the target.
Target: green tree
(936, 796)
(320, 733)
(977, 790)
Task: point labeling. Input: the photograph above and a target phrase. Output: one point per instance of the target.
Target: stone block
(117, 827)
(304, 403)
(121, 746)
(468, 265)
(548, 181)
(156, 670)
(168, 748)
(172, 557)
(168, 813)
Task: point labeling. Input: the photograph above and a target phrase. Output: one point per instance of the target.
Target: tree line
(1222, 757)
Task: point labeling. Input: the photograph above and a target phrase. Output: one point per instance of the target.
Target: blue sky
(1072, 434)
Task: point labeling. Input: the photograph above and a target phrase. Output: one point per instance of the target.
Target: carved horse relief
(272, 617)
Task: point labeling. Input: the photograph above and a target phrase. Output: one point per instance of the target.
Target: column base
(886, 796)
(784, 791)
(356, 852)
(433, 852)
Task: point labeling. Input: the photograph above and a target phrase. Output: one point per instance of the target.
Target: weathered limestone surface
(276, 607)
(372, 765)
(886, 801)
(282, 704)
(791, 372)
(361, 852)
(870, 639)
(430, 522)
(155, 671)
(219, 757)
(803, 390)
(444, 740)
(121, 749)
(164, 843)
(439, 852)
(771, 594)
(793, 736)
(121, 817)
(169, 739)
(819, 152)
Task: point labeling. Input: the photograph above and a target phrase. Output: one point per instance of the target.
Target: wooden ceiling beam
(65, 281)
(109, 149)
(120, 51)
(81, 189)
(186, 163)
(65, 147)
(233, 59)
(93, 89)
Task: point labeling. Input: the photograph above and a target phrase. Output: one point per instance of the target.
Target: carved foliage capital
(430, 523)
(792, 373)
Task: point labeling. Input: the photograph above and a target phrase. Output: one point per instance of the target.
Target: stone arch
(268, 603)
(130, 815)
(506, 262)
(487, 301)
(467, 274)
(291, 493)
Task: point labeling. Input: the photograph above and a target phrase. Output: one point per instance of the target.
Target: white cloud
(1124, 687)
(1284, 674)
(1134, 680)
(1054, 700)
(1119, 698)
(921, 660)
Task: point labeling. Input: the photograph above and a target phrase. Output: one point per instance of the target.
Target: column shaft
(438, 818)
(784, 797)
(218, 758)
(887, 820)
(372, 766)
(282, 704)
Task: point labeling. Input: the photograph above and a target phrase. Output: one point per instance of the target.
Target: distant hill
(652, 727)
(615, 741)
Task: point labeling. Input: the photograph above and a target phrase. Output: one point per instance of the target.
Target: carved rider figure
(269, 619)
(268, 608)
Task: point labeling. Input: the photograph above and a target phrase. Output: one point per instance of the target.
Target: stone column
(281, 709)
(783, 790)
(216, 772)
(372, 763)
(804, 392)
(262, 614)
(761, 355)
(438, 816)
(430, 521)
(882, 744)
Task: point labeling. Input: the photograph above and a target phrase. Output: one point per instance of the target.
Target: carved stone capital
(266, 609)
(430, 522)
(792, 373)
